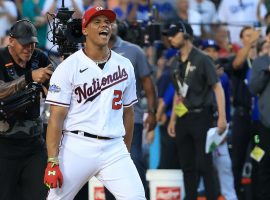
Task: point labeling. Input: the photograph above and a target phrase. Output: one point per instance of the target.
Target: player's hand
(42, 74)
(53, 177)
(150, 122)
(150, 136)
(221, 124)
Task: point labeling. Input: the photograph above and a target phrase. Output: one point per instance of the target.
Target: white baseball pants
(109, 161)
(222, 161)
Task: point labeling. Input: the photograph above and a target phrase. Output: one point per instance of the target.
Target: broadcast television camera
(139, 33)
(66, 31)
(142, 33)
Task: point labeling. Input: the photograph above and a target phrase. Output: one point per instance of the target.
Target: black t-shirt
(201, 77)
(240, 91)
(25, 123)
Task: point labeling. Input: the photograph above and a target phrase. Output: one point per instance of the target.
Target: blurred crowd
(206, 17)
(232, 32)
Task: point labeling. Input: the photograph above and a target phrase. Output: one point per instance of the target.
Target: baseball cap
(24, 31)
(209, 43)
(180, 27)
(97, 11)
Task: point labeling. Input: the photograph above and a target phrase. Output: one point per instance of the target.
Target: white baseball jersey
(95, 96)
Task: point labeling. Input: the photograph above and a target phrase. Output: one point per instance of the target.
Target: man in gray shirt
(260, 85)
(144, 83)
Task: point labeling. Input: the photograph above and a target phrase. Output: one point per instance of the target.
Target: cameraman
(22, 148)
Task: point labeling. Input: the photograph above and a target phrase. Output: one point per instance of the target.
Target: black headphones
(11, 33)
(186, 35)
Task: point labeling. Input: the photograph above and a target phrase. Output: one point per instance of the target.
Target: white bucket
(96, 189)
(165, 184)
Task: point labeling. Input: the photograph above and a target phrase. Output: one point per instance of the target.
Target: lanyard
(187, 71)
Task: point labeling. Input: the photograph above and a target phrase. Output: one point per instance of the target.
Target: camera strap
(9, 63)
(21, 99)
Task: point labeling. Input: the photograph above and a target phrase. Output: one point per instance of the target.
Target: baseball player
(91, 95)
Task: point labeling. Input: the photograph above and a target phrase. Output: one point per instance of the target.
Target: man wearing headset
(195, 81)
(23, 69)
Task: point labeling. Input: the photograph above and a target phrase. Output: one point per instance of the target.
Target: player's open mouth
(104, 33)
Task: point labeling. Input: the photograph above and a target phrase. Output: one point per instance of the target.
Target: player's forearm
(160, 109)
(10, 88)
(150, 93)
(219, 93)
(53, 138)
(54, 130)
(241, 56)
(128, 119)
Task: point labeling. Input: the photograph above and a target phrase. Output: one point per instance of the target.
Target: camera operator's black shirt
(27, 123)
(201, 78)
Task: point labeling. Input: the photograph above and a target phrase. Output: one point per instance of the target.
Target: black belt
(91, 135)
(241, 110)
(195, 110)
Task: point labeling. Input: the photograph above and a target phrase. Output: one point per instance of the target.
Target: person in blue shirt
(221, 156)
(165, 88)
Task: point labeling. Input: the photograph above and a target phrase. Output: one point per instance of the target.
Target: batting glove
(53, 177)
